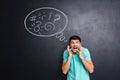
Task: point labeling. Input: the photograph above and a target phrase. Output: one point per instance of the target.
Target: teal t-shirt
(77, 70)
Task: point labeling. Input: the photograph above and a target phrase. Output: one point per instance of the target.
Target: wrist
(69, 57)
(82, 58)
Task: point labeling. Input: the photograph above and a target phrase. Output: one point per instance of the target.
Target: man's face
(75, 45)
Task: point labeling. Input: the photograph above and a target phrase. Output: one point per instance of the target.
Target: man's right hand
(69, 51)
(66, 65)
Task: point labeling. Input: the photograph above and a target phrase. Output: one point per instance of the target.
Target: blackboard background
(24, 56)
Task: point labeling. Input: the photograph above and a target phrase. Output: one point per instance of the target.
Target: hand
(69, 51)
(80, 53)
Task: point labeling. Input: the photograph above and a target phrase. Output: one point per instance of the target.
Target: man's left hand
(80, 53)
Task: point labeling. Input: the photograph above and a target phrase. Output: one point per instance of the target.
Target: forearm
(88, 65)
(66, 65)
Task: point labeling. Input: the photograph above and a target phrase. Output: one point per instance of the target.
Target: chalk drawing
(46, 22)
(50, 15)
(61, 37)
(49, 26)
(33, 18)
(58, 17)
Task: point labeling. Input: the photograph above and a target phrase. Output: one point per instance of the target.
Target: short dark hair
(74, 37)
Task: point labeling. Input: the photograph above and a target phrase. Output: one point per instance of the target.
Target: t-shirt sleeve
(65, 56)
(87, 56)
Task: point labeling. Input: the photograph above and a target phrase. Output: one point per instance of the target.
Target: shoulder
(65, 52)
(85, 50)
(86, 54)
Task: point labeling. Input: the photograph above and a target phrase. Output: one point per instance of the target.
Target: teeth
(75, 48)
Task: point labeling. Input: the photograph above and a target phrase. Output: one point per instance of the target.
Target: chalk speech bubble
(45, 22)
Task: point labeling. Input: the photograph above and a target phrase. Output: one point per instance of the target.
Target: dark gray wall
(25, 56)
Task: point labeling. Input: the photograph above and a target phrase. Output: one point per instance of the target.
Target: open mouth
(75, 48)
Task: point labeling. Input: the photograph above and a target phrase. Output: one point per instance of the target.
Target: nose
(74, 45)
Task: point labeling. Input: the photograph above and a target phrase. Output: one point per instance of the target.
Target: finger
(68, 46)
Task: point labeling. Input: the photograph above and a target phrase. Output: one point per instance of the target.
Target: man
(77, 63)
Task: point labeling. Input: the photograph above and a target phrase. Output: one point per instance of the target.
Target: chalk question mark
(58, 18)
